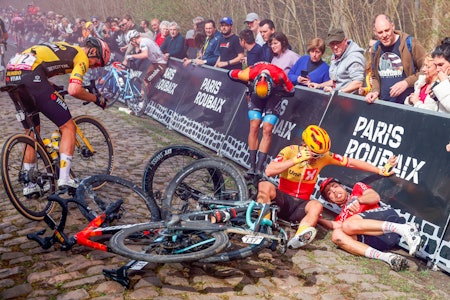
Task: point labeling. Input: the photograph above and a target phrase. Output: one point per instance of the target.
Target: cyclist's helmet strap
(262, 85)
(99, 49)
(317, 139)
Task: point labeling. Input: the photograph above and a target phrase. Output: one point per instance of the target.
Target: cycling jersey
(56, 58)
(300, 179)
(358, 190)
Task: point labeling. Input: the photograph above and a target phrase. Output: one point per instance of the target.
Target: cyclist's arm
(142, 55)
(329, 224)
(75, 88)
(362, 165)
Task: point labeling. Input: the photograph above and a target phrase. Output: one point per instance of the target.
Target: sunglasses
(122, 25)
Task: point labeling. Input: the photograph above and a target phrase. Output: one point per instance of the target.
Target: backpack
(408, 44)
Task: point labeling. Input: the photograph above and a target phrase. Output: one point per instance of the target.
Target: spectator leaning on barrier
(173, 45)
(189, 42)
(396, 62)
(209, 51)
(252, 21)
(311, 68)
(367, 227)
(441, 56)
(231, 52)
(268, 83)
(298, 167)
(254, 52)
(347, 64)
(423, 97)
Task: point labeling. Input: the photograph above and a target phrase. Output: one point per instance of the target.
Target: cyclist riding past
(3, 33)
(150, 58)
(298, 167)
(33, 67)
(18, 28)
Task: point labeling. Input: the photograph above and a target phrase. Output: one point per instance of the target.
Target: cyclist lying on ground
(299, 167)
(33, 67)
(367, 227)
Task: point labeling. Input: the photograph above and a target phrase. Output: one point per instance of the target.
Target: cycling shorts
(385, 241)
(154, 72)
(269, 105)
(292, 209)
(44, 97)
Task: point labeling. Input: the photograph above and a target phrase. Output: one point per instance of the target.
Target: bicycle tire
(163, 248)
(138, 103)
(226, 172)
(14, 177)
(85, 163)
(235, 249)
(164, 165)
(137, 206)
(109, 85)
(206, 178)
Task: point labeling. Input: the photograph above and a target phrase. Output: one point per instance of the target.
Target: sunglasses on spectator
(122, 25)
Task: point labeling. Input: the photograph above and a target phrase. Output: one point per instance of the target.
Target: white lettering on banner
(209, 101)
(283, 129)
(166, 86)
(211, 86)
(169, 73)
(385, 134)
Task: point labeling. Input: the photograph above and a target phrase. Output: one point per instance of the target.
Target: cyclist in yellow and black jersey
(34, 66)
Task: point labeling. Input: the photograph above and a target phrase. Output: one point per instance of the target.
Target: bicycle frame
(127, 91)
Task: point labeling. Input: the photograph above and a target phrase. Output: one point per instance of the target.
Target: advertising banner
(373, 133)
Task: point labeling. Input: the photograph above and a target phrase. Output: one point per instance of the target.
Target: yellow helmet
(317, 139)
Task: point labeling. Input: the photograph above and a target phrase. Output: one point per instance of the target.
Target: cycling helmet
(324, 184)
(262, 85)
(131, 34)
(317, 139)
(102, 48)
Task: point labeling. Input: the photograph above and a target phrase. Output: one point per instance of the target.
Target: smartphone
(304, 73)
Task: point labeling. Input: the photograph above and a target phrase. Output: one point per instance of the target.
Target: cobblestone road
(319, 271)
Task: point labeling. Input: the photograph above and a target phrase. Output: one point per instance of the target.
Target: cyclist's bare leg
(266, 192)
(266, 140)
(66, 147)
(30, 154)
(253, 134)
(313, 210)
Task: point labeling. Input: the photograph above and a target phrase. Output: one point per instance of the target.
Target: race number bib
(21, 61)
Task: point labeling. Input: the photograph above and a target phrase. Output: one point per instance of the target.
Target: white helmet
(131, 34)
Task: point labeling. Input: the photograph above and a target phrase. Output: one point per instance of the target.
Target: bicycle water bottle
(50, 150)
(55, 138)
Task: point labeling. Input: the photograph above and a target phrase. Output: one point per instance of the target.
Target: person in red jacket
(267, 84)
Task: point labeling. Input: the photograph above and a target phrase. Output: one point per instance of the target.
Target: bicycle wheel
(164, 165)
(138, 103)
(85, 162)
(15, 179)
(207, 179)
(157, 243)
(137, 207)
(237, 249)
(107, 86)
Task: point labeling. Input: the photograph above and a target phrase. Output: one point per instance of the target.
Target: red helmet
(103, 52)
(262, 85)
(325, 183)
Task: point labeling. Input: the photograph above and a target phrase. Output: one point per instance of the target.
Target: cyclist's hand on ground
(303, 155)
(101, 101)
(388, 168)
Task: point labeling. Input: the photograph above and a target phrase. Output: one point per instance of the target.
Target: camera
(304, 73)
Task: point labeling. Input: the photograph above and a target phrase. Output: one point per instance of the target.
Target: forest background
(300, 20)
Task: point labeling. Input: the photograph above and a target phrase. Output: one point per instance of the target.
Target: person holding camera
(310, 68)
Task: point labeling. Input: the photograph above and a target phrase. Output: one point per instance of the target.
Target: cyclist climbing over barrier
(268, 84)
(298, 167)
(33, 67)
(151, 60)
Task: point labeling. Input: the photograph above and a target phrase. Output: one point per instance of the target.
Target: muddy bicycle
(94, 153)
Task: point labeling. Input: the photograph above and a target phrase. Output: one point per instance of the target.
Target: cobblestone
(320, 271)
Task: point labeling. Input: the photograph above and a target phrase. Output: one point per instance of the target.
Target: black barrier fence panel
(304, 108)
(205, 105)
(373, 133)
